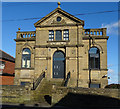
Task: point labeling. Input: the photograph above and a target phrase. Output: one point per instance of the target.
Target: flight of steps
(43, 92)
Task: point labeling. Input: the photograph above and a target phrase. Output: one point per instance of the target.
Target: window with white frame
(66, 35)
(51, 35)
(59, 35)
(26, 58)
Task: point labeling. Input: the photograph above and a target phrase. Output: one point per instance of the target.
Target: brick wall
(9, 67)
(6, 80)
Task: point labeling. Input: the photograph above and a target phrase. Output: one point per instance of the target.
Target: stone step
(44, 91)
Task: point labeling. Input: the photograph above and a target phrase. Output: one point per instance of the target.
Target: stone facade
(76, 50)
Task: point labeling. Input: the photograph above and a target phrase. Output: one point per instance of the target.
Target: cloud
(112, 28)
(110, 65)
(110, 70)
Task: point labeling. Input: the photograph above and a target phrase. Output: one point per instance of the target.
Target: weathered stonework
(76, 51)
(71, 97)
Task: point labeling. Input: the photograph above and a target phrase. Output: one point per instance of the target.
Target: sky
(13, 14)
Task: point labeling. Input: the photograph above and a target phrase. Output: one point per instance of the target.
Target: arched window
(94, 58)
(26, 58)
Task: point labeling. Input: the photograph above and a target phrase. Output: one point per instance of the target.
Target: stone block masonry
(85, 97)
(15, 94)
(62, 96)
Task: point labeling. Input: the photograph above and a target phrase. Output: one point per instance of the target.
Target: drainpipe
(89, 61)
(77, 55)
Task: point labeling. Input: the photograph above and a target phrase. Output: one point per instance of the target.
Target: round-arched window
(94, 58)
(26, 58)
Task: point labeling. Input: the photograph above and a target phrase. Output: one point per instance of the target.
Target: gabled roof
(62, 12)
(4, 55)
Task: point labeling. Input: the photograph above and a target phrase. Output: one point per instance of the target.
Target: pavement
(46, 106)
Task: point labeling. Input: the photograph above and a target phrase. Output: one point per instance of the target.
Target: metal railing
(67, 79)
(38, 80)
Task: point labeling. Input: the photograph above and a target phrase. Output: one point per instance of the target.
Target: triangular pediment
(66, 18)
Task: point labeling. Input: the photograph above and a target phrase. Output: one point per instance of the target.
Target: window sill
(24, 68)
(59, 41)
(97, 69)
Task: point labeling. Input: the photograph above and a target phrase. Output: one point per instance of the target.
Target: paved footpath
(45, 106)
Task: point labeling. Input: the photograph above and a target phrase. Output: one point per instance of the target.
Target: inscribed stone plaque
(25, 74)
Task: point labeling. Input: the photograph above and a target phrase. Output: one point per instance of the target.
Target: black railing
(39, 79)
(67, 79)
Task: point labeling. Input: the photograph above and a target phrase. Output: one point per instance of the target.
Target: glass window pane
(26, 56)
(26, 51)
(96, 63)
(94, 56)
(66, 34)
(58, 35)
(23, 63)
(28, 63)
(94, 85)
(51, 35)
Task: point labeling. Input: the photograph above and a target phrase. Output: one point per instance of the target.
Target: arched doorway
(58, 65)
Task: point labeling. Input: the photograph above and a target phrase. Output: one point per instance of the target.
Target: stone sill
(97, 69)
(96, 37)
(58, 41)
(24, 68)
(24, 39)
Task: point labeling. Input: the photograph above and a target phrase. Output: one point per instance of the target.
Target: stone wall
(62, 96)
(15, 94)
(81, 97)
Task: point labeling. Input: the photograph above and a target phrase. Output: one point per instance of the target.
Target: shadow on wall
(81, 100)
(75, 101)
(47, 99)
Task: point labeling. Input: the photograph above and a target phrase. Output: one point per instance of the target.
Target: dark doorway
(58, 65)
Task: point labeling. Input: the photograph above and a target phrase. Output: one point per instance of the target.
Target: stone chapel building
(61, 47)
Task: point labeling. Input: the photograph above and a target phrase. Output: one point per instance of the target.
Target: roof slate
(4, 55)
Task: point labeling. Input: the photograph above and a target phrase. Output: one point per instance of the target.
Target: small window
(94, 85)
(2, 65)
(51, 35)
(58, 19)
(25, 83)
(26, 58)
(66, 35)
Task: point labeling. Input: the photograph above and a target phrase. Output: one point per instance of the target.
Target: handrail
(39, 79)
(67, 79)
